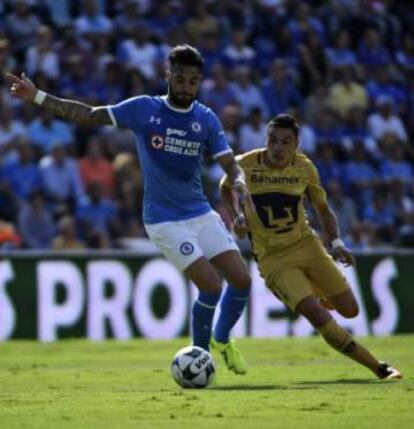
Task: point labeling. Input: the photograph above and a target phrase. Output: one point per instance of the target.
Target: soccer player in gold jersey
(290, 256)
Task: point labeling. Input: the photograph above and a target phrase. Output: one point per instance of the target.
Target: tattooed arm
(70, 110)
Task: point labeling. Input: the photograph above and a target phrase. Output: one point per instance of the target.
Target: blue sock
(203, 312)
(232, 306)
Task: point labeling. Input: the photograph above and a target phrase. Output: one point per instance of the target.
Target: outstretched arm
(22, 87)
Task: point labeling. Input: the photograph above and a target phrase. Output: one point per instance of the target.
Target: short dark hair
(285, 120)
(186, 55)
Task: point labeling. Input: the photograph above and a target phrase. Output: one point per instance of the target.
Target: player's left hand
(243, 194)
(240, 227)
(345, 256)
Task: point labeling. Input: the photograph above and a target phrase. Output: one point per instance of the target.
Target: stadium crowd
(344, 68)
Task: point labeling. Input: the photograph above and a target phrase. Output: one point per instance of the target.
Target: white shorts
(183, 242)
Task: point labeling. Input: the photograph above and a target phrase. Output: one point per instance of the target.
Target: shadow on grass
(306, 384)
(250, 387)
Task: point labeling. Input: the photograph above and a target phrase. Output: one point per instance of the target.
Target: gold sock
(341, 340)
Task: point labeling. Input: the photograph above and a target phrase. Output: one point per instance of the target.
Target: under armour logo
(156, 120)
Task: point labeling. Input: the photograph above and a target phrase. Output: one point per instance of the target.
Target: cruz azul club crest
(157, 142)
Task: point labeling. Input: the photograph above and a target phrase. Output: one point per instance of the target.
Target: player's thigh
(323, 272)
(214, 238)
(291, 286)
(233, 268)
(177, 241)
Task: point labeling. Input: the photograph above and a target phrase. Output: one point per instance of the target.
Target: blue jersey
(170, 143)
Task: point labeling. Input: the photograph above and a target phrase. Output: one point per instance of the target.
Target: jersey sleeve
(315, 191)
(126, 113)
(216, 139)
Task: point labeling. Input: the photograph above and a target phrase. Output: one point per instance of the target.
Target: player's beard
(180, 100)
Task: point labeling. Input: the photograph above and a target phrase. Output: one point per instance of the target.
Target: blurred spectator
(356, 131)
(21, 27)
(254, 132)
(91, 22)
(7, 61)
(112, 88)
(61, 182)
(139, 52)
(341, 53)
(347, 93)
(328, 127)
(329, 169)
(395, 167)
(42, 57)
(210, 50)
(361, 177)
(129, 213)
(278, 91)
(94, 168)
(22, 174)
(10, 130)
(216, 92)
(343, 207)
(405, 236)
(59, 12)
(127, 174)
(163, 18)
(96, 213)
(382, 85)
(129, 18)
(247, 93)
(67, 235)
(400, 201)
(70, 46)
(237, 53)
(46, 130)
(405, 55)
(303, 22)
(200, 22)
(231, 119)
(372, 52)
(313, 66)
(315, 103)
(35, 223)
(78, 84)
(380, 217)
(384, 120)
(9, 237)
(307, 136)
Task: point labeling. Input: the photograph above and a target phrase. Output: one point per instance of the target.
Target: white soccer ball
(193, 367)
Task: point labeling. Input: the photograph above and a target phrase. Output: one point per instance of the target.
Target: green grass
(291, 383)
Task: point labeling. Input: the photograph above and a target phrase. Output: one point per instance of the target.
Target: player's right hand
(21, 87)
(240, 226)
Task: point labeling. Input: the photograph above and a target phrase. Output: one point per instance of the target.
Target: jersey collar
(176, 109)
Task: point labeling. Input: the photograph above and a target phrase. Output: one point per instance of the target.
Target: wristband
(337, 243)
(239, 182)
(39, 97)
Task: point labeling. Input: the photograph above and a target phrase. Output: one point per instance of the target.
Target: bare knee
(350, 310)
(243, 281)
(316, 314)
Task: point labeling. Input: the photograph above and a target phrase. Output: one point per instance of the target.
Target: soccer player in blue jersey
(171, 133)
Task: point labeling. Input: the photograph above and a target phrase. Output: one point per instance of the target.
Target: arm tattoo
(77, 112)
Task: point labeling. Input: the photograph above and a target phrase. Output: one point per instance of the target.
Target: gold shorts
(305, 269)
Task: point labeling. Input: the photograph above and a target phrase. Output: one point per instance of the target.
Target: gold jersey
(280, 219)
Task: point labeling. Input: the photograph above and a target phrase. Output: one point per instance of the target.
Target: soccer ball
(193, 367)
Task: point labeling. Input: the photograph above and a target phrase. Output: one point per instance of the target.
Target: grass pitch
(291, 383)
